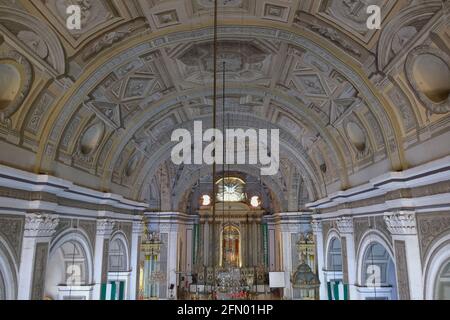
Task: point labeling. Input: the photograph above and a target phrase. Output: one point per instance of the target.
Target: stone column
(287, 262)
(272, 248)
(201, 244)
(260, 243)
(136, 237)
(101, 250)
(243, 240)
(317, 230)
(349, 268)
(189, 248)
(248, 231)
(39, 229)
(402, 226)
(206, 242)
(254, 243)
(218, 245)
(171, 229)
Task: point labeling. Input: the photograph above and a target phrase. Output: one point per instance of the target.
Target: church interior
(93, 207)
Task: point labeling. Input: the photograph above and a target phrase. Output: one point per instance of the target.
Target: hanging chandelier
(151, 247)
(304, 278)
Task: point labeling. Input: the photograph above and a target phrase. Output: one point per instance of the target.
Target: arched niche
(428, 72)
(118, 254)
(9, 84)
(69, 268)
(437, 270)
(443, 282)
(91, 138)
(334, 255)
(231, 254)
(118, 268)
(8, 273)
(376, 269)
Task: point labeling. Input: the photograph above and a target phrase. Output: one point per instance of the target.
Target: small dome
(304, 278)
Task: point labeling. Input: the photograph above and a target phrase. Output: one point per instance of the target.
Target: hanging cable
(73, 269)
(214, 245)
(223, 163)
(373, 263)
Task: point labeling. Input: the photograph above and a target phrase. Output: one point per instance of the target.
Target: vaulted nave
(224, 150)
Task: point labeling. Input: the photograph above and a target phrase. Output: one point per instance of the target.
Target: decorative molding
(90, 227)
(363, 224)
(332, 35)
(424, 180)
(402, 222)
(430, 228)
(63, 193)
(11, 228)
(40, 225)
(64, 224)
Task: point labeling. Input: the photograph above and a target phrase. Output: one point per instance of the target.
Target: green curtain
(337, 290)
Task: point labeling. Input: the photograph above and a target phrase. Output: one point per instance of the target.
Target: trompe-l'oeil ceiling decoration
(349, 102)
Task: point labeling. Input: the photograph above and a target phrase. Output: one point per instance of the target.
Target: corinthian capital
(105, 227)
(401, 222)
(345, 225)
(316, 226)
(40, 225)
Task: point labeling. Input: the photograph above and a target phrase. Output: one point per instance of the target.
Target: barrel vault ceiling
(98, 106)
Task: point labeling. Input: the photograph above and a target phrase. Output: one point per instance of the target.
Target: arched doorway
(69, 269)
(118, 270)
(378, 278)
